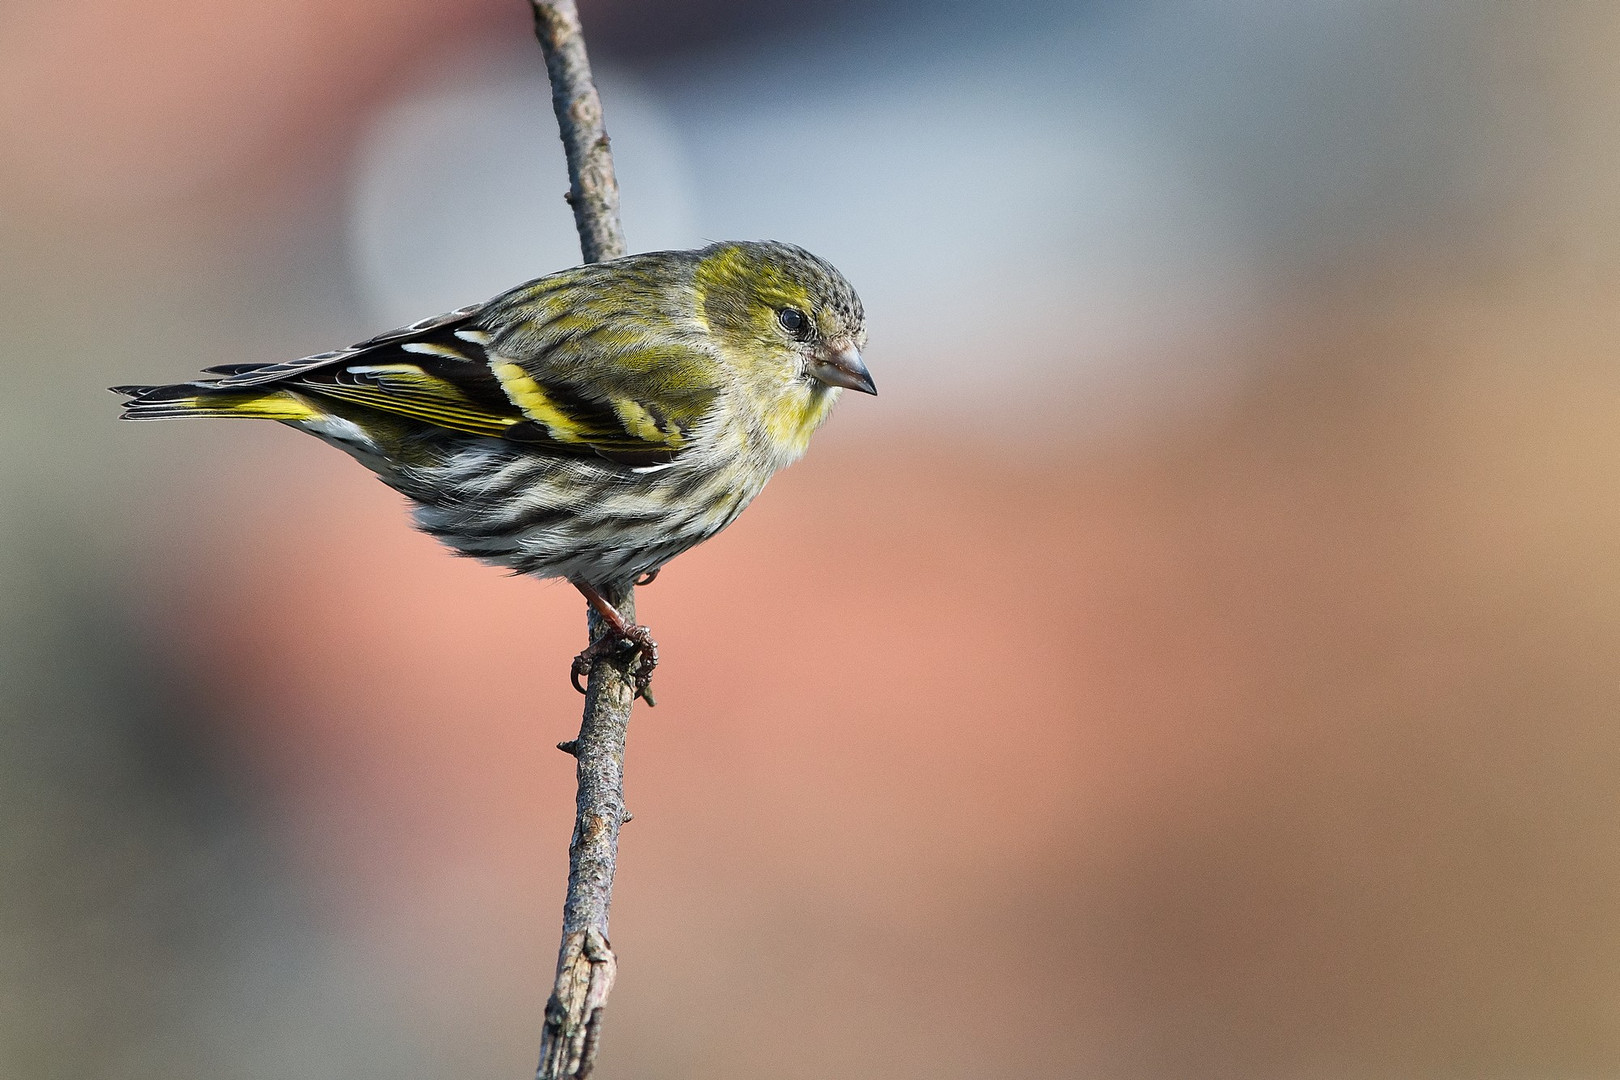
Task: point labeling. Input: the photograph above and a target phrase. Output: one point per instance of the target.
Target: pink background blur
(1200, 661)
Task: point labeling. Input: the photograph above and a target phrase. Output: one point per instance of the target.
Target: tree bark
(586, 965)
(593, 189)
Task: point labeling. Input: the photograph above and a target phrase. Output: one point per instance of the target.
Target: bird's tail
(209, 399)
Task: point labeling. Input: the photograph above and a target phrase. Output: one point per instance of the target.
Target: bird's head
(787, 319)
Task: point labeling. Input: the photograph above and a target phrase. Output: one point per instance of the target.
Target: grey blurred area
(150, 928)
(1034, 195)
(1237, 242)
(149, 924)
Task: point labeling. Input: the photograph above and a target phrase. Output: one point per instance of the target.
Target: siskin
(588, 425)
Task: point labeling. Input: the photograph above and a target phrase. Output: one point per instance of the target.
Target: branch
(585, 962)
(593, 190)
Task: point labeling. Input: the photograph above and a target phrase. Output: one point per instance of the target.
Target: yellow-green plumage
(590, 424)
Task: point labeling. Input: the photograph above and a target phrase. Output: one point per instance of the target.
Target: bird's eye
(793, 321)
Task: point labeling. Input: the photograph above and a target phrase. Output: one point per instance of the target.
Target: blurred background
(1199, 661)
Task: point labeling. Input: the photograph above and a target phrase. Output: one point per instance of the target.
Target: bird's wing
(528, 367)
(614, 360)
(245, 375)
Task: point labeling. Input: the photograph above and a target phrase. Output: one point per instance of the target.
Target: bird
(590, 424)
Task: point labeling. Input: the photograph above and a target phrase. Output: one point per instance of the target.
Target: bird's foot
(649, 577)
(634, 637)
(620, 633)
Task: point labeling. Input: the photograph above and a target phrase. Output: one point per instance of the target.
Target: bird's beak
(843, 367)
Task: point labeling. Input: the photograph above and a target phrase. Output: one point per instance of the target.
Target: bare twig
(593, 190)
(585, 962)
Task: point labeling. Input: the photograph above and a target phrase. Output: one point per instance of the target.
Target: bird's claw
(648, 578)
(647, 659)
(638, 638)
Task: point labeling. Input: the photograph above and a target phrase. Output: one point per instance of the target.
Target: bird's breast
(788, 421)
